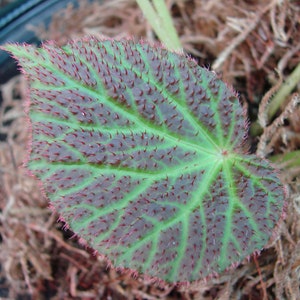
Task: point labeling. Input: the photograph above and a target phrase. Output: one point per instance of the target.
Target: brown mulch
(254, 46)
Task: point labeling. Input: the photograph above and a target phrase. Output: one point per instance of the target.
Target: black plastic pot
(14, 19)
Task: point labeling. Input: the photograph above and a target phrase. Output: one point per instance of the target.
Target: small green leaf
(142, 153)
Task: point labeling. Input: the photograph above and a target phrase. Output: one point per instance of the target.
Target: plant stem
(288, 160)
(284, 92)
(169, 28)
(160, 20)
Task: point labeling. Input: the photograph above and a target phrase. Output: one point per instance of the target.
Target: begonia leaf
(141, 152)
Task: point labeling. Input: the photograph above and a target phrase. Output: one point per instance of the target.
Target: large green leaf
(141, 152)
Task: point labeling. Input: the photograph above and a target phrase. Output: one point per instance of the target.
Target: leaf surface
(141, 152)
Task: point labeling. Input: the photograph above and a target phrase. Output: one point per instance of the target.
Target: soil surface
(254, 46)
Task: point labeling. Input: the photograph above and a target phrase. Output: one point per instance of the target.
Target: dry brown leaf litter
(245, 41)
